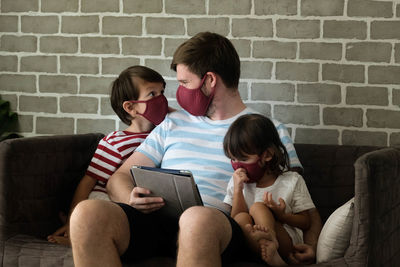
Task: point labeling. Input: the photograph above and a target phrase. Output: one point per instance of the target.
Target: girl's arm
(238, 203)
(300, 220)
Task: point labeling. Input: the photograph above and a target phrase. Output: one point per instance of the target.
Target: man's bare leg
(204, 234)
(99, 232)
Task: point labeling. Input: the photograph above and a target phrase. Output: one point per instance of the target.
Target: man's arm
(312, 234)
(120, 185)
(305, 253)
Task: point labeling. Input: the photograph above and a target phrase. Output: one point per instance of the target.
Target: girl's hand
(278, 209)
(239, 178)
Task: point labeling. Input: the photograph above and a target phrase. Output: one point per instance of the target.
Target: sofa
(38, 176)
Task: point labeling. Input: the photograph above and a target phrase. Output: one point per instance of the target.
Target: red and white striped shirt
(111, 152)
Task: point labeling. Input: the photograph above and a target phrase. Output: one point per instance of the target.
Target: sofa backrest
(329, 173)
(38, 176)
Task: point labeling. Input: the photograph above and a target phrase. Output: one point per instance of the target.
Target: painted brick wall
(329, 69)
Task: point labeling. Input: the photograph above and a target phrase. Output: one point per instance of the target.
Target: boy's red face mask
(254, 171)
(156, 108)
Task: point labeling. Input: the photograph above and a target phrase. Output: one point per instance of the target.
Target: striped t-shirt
(195, 143)
(111, 152)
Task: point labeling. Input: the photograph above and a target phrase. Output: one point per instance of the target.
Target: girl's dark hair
(125, 88)
(253, 134)
(208, 51)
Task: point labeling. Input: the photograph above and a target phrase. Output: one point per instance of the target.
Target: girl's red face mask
(254, 171)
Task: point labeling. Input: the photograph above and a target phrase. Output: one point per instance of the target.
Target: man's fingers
(148, 200)
(140, 190)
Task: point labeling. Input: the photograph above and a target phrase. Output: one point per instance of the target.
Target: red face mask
(253, 170)
(156, 109)
(194, 101)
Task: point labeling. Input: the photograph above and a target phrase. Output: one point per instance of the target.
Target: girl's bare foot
(269, 253)
(254, 235)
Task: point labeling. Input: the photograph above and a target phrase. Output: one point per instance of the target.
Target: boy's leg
(99, 232)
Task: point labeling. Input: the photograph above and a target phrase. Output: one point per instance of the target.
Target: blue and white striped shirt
(195, 143)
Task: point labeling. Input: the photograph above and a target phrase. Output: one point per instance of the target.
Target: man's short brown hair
(208, 51)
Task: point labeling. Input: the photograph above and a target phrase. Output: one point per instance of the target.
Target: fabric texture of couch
(38, 176)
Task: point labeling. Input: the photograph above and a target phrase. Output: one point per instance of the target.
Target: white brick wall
(329, 69)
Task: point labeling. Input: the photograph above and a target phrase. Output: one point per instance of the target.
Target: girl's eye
(152, 94)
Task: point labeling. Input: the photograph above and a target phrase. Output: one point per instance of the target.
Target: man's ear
(212, 78)
(129, 108)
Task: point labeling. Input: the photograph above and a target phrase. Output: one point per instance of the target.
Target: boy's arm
(82, 191)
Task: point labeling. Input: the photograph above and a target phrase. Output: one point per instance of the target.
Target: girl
(264, 196)
(137, 97)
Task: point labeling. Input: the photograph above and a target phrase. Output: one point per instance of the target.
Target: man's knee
(85, 216)
(100, 221)
(196, 216)
(205, 224)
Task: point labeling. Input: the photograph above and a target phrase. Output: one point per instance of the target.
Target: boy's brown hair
(125, 88)
(208, 51)
(253, 134)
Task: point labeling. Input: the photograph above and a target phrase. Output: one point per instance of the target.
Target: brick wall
(329, 69)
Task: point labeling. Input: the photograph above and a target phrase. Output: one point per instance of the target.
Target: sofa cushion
(335, 235)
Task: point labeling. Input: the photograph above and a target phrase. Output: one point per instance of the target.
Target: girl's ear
(129, 108)
(268, 154)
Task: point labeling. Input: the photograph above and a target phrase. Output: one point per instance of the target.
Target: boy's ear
(129, 108)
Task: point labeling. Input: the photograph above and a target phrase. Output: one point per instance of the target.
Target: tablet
(176, 187)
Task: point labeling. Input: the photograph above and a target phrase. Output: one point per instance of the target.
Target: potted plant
(8, 120)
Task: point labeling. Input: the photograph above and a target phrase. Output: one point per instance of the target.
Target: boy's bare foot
(254, 235)
(269, 253)
(63, 240)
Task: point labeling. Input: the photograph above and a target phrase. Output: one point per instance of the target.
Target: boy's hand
(62, 231)
(239, 178)
(139, 201)
(278, 209)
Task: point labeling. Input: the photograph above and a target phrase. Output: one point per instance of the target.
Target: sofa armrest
(38, 176)
(376, 231)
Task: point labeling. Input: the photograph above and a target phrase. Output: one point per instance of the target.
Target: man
(208, 70)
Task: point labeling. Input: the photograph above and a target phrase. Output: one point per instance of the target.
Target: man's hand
(303, 254)
(142, 203)
(239, 178)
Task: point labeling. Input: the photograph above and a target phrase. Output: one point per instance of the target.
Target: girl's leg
(285, 242)
(262, 215)
(264, 219)
(243, 219)
(253, 235)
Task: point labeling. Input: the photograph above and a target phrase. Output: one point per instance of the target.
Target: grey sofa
(38, 176)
